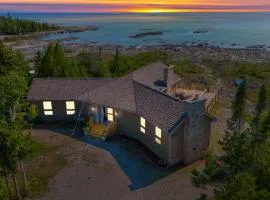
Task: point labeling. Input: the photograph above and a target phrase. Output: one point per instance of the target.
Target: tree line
(243, 170)
(13, 26)
(15, 144)
(53, 62)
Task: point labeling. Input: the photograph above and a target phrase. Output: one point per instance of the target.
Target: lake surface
(234, 30)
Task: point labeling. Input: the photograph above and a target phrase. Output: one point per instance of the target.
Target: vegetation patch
(43, 166)
(13, 26)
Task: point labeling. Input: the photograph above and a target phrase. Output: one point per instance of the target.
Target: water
(235, 30)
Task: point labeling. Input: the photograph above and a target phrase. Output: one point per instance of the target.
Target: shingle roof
(118, 94)
(62, 89)
(159, 109)
(152, 75)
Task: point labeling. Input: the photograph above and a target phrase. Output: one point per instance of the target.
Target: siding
(194, 136)
(177, 148)
(129, 124)
(207, 132)
(59, 111)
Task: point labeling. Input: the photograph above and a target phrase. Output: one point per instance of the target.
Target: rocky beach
(194, 52)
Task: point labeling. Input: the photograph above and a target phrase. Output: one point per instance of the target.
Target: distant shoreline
(29, 48)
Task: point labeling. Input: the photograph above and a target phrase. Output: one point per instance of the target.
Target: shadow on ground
(134, 158)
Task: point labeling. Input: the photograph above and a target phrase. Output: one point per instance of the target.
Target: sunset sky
(150, 6)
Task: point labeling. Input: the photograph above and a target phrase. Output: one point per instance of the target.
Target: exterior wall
(129, 124)
(177, 145)
(59, 111)
(194, 136)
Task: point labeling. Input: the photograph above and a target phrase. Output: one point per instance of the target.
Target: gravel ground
(93, 173)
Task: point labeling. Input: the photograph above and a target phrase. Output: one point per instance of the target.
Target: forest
(13, 26)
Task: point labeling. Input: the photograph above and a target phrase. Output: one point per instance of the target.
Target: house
(142, 104)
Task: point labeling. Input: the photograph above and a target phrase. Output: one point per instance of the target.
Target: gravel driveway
(98, 171)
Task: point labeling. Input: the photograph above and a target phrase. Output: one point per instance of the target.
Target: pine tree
(115, 63)
(240, 169)
(259, 134)
(59, 60)
(47, 64)
(260, 106)
(37, 62)
(235, 123)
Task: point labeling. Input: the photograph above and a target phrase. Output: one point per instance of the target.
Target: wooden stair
(97, 130)
(101, 131)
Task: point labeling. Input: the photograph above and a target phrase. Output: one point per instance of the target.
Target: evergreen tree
(54, 63)
(115, 63)
(59, 60)
(14, 26)
(47, 64)
(235, 123)
(261, 105)
(240, 169)
(259, 134)
(37, 62)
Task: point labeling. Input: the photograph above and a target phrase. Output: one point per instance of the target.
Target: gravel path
(93, 174)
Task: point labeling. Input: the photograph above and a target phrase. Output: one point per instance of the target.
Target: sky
(145, 6)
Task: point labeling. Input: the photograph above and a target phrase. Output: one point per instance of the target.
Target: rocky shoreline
(38, 35)
(195, 51)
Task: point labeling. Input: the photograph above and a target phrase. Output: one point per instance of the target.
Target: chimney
(168, 73)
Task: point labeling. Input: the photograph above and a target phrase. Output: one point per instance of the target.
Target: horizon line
(126, 8)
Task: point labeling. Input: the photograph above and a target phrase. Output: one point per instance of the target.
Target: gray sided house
(142, 104)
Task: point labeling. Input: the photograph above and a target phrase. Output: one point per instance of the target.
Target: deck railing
(210, 104)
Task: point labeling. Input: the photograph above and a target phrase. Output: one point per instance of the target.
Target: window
(142, 125)
(110, 116)
(70, 106)
(47, 107)
(158, 135)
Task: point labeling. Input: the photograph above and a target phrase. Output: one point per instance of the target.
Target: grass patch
(214, 145)
(44, 165)
(186, 68)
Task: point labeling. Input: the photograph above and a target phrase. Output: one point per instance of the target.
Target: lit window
(142, 125)
(70, 106)
(48, 112)
(70, 112)
(47, 107)
(158, 135)
(110, 116)
(158, 140)
(109, 110)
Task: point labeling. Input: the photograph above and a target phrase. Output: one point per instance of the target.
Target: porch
(102, 130)
(99, 122)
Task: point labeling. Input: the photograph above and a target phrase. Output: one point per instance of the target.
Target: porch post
(101, 114)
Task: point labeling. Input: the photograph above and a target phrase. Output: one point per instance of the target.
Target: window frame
(70, 110)
(110, 114)
(142, 125)
(47, 110)
(158, 135)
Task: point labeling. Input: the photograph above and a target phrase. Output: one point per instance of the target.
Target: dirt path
(93, 174)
